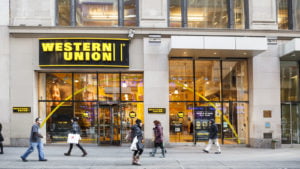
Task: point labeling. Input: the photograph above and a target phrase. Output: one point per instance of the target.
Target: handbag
(73, 138)
(133, 146)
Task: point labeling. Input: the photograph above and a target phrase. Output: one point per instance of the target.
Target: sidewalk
(188, 157)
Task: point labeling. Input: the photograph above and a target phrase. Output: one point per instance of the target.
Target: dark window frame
(121, 18)
(230, 11)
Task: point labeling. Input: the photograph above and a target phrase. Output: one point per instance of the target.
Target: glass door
(109, 128)
(290, 123)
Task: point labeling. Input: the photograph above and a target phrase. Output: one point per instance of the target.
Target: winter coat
(213, 131)
(75, 128)
(158, 134)
(137, 131)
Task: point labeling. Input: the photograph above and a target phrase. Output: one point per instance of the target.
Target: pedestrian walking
(35, 141)
(75, 130)
(158, 139)
(213, 137)
(136, 131)
(1, 140)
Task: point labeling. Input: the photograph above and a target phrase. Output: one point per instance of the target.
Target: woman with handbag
(136, 131)
(75, 130)
(1, 140)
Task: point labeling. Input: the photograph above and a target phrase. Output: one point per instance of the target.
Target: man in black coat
(213, 137)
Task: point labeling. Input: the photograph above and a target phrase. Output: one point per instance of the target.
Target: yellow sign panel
(21, 109)
(132, 114)
(180, 114)
(157, 110)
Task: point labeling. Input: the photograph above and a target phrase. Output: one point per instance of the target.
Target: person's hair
(156, 122)
(75, 119)
(37, 119)
(138, 121)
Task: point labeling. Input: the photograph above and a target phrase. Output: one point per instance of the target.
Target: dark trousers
(161, 145)
(78, 145)
(139, 152)
(1, 147)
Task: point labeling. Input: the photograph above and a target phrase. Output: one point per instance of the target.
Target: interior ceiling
(293, 56)
(212, 53)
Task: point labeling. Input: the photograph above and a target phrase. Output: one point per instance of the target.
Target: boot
(133, 160)
(67, 154)
(84, 153)
(137, 161)
(69, 151)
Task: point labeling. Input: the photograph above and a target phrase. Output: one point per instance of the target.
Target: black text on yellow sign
(21, 109)
(157, 110)
(84, 52)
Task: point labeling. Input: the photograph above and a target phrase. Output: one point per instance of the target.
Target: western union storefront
(183, 81)
(107, 103)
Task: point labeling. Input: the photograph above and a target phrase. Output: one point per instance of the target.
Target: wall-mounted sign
(157, 110)
(267, 113)
(132, 114)
(21, 109)
(203, 115)
(83, 52)
(180, 114)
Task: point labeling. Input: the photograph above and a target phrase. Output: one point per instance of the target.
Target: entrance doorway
(290, 123)
(109, 124)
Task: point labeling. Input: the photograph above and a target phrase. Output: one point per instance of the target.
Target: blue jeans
(40, 148)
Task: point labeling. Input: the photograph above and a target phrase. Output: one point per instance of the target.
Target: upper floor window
(288, 14)
(207, 13)
(97, 12)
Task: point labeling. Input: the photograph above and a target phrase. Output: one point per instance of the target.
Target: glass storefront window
(235, 80)
(181, 80)
(221, 93)
(181, 122)
(289, 77)
(132, 87)
(208, 80)
(88, 83)
(109, 87)
(97, 13)
(175, 13)
(94, 98)
(130, 11)
(207, 14)
(63, 12)
(282, 14)
(58, 87)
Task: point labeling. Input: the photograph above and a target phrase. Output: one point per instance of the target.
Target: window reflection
(109, 87)
(289, 75)
(208, 80)
(283, 14)
(63, 10)
(297, 14)
(59, 86)
(132, 87)
(88, 83)
(175, 13)
(207, 14)
(239, 14)
(130, 12)
(97, 13)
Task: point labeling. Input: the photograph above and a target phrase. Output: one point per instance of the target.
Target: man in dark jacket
(35, 141)
(213, 137)
(158, 139)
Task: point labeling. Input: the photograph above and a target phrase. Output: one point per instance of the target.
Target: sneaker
(205, 151)
(43, 160)
(23, 159)
(217, 152)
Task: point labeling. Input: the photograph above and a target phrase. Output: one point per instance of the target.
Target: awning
(216, 46)
(290, 50)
